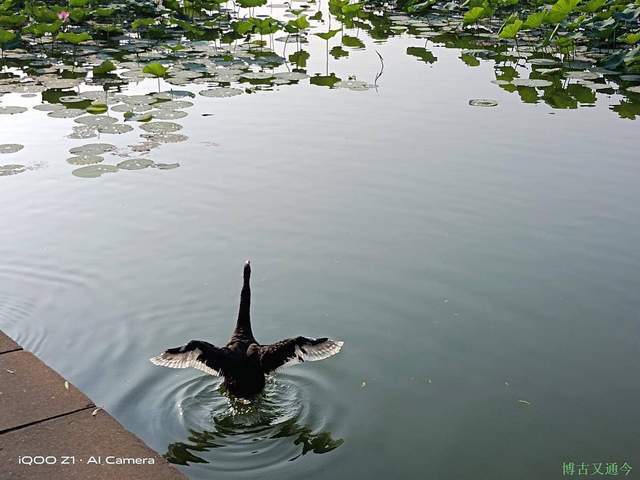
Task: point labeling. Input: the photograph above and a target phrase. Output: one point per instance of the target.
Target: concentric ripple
(235, 435)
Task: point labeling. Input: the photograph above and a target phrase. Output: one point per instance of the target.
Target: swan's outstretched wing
(195, 354)
(297, 350)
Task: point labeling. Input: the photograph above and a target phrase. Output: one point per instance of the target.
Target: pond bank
(50, 429)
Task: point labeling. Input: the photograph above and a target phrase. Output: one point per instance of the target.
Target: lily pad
(12, 110)
(356, 85)
(66, 113)
(135, 164)
(221, 92)
(92, 149)
(166, 114)
(6, 170)
(83, 131)
(291, 76)
(165, 137)
(115, 129)
(165, 166)
(173, 105)
(94, 171)
(96, 120)
(10, 147)
(49, 107)
(161, 127)
(85, 159)
(483, 102)
(531, 82)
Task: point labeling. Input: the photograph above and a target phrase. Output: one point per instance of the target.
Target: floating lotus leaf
(6, 170)
(582, 75)
(66, 113)
(630, 78)
(83, 131)
(161, 127)
(165, 137)
(49, 107)
(12, 110)
(483, 102)
(635, 89)
(144, 146)
(257, 75)
(543, 61)
(92, 149)
(221, 92)
(291, 76)
(85, 159)
(135, 164)
(531, 82)
(96, 120)
(93, 95)
(131, 107)
(356, 85)
(94, 171)
(10, 147)
(115, 129)
(173, 104)
(166, 166)
(63, 83)
(172, 94)
(167, 114)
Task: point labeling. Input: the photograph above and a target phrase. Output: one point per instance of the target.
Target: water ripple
(249, 437)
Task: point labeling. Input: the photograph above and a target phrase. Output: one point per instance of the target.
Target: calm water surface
(469, 257)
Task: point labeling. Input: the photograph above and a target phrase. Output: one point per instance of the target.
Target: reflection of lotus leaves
(83, 131)
(165, 137)
(135, 164)
(92, 149)
(85, 159)
(161, 127)
(94, 171)
(356, 85)
(96, 120)
(482, 102)
(222, 92)
(115, 129)
(173, 104)
(531, 82)
(12, 110)
(167, 114)
(66, 113)
(10, 147)
(291, 76)
(6, 170)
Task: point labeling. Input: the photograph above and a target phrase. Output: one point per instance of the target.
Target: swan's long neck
(243, 325)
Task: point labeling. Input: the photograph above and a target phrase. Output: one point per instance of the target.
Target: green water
(480, 263)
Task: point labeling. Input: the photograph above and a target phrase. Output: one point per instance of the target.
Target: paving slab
(31, 392)
(81, 446)
(7, 344)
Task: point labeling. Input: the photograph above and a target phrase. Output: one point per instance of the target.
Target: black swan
(243, 362)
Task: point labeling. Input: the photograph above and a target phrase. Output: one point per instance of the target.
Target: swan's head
(247, 270)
